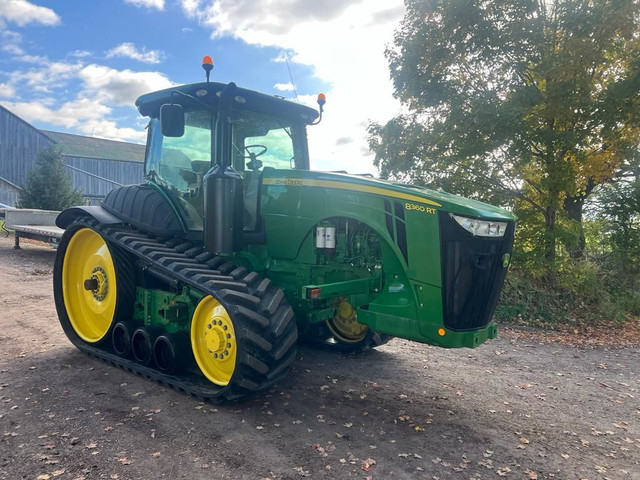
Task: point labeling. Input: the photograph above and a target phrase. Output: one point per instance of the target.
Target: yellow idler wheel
(344, 325)
(213, 341)
(89, 285)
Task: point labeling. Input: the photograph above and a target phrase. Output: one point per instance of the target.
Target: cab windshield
(259, 141)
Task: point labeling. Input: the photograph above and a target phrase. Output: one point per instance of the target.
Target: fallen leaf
(155, 454)
(302, 472)
(368, 464)
(125, 461)
(503, 471)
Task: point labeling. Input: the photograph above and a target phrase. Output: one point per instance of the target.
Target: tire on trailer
(93, 284)
(244, 341)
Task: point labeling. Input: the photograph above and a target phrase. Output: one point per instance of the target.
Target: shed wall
(19, 145)
(8, 193)
(118, 171)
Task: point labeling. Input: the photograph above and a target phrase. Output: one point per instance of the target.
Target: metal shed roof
(88, 147)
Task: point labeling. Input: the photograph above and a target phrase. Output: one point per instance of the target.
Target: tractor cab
(196, 128)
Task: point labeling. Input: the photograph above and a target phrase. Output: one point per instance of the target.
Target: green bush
(583, 293)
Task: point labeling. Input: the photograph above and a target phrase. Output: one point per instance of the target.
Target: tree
(48, 186)
(618, 207)
(529, 103)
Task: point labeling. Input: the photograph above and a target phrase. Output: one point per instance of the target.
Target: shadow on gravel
(382, 415)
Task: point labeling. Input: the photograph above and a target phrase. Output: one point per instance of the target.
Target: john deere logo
(506, 258)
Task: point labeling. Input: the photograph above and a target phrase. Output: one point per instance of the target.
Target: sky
(77, 66)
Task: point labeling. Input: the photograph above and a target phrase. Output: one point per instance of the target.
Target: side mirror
(172, 120)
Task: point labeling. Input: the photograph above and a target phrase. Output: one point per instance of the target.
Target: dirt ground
(517, 407)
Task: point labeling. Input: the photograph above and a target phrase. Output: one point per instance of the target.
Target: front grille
(472, 274)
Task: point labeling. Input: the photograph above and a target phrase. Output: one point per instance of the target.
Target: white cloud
(157, 4)
(80, 54)
(12, 49)
(109, 129)
(100, 89)
(276, 17)
(284, 87)
(69, 115)
(344, 41)
(84, 115)
(6, 90)
(32, 111)
(22, 12)
(48, 77)
(121, 87)
(11, 44)
(129, 50)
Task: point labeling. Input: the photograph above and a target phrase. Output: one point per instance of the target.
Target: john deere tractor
(205, 277)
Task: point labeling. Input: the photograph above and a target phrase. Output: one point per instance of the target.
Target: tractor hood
(438, 200)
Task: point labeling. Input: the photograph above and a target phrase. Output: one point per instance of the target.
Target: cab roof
(149, 104)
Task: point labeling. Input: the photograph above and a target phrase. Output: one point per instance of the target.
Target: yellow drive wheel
(344, 325)
(213, 341)
(89, 285)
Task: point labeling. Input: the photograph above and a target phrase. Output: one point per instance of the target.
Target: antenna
(286, 59)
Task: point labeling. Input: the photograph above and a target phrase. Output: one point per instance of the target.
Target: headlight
(481, 228)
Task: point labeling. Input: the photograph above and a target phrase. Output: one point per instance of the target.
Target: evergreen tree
(48, 185)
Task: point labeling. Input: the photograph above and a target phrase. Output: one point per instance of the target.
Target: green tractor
(206, 277)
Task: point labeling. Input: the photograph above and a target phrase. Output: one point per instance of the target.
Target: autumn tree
(48, 186)
(618, 209)
(522, 102)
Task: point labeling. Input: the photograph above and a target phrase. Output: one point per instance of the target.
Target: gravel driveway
(517, 407)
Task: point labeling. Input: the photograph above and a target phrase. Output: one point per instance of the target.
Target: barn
(95, 165)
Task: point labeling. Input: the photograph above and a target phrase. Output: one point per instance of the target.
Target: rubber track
(241, 292)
